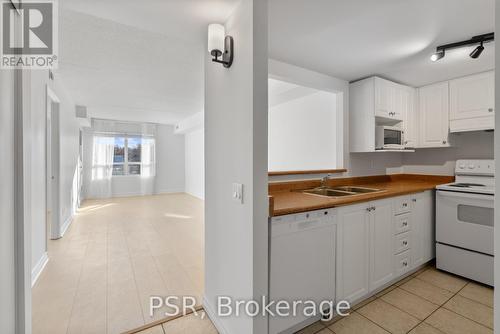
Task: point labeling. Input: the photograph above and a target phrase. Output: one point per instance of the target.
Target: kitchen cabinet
(381, 252)
(433, 115)
(423, 227)
(380, 241)
(353, 252)
(375, 101)
(410, 117)
(472, 102)
(385, 98)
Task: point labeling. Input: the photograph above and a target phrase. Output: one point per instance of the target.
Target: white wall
(441, 161)
(170, 161)
(195, 163)
(236, 235)
(302, 133)
(496, 307)
(169, 167)
(303, 77)
(7, 209)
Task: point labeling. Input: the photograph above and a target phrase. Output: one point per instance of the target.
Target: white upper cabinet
(371, 101)
(472, 102)
(384, 97)
(433, 115)
(410, 119)
(387, 99)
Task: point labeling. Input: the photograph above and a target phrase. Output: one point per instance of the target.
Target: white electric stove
(464, 221)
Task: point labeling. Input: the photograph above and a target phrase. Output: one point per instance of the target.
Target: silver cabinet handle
(414, 200)
(368, 209)
(405, 205)
(490, 109)
(405, 224)
(405, 243)
(405, 264)
(444, 142)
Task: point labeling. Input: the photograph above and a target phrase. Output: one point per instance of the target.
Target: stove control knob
(471, 166)
(462, 166)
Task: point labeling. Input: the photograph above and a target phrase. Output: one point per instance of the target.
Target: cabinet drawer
(402, 263)
(401, 242)
(402, 223)
(401, 205)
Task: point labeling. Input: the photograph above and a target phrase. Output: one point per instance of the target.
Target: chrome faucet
(325, 179)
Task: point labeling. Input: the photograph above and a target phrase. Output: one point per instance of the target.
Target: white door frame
(52, 164)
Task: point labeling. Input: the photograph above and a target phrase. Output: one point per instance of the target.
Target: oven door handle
(466, 195)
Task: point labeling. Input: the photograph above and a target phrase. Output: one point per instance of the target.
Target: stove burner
(466, 185)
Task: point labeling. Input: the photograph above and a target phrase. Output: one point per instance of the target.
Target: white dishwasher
(302, 263)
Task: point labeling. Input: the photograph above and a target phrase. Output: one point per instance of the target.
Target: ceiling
(392, 38)
(144, 60)
(137, 60)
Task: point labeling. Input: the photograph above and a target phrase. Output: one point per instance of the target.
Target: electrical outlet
(238, 192)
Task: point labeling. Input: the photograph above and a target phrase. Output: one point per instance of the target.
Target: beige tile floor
(427, 302)
(115, 255)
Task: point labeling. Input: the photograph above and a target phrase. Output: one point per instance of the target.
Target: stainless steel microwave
(389, 138)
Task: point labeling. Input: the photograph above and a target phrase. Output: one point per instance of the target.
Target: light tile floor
(428, 302)
(115, 255)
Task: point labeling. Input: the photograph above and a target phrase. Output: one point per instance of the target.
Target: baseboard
(65, 225)
(37, 270)
(213, 316)
(169, 191)
(195, 195)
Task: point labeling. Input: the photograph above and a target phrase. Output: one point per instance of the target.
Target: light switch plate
(238, 192)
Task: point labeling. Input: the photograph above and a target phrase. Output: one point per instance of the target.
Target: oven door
(465, 220)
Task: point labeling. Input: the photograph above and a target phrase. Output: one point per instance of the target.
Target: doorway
(53, 215)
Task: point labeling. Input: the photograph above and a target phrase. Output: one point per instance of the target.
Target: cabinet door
(384, 98)
(399, 103)
(423, 228)
(353, 252)
(472, 96)
(410, 120)
(433, 114)
(381, 250)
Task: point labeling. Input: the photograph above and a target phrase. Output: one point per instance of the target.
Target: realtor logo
(29, 35)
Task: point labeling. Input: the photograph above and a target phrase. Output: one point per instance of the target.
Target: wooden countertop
(285, 199)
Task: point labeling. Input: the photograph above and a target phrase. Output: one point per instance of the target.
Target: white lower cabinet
(423, 234)
(353, 252)
(380, 241)
(381, 260)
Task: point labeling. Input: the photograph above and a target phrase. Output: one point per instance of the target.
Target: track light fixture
(477, 51)
(438, 55)
(480, 39)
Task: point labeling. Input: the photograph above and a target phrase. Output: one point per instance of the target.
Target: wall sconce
(220, 45)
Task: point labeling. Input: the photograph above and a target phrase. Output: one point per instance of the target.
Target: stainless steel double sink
(340, 191)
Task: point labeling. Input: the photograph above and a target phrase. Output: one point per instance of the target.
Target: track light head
(438, 55)
(477, 51)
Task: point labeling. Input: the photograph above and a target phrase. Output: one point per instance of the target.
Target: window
(128, 155)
